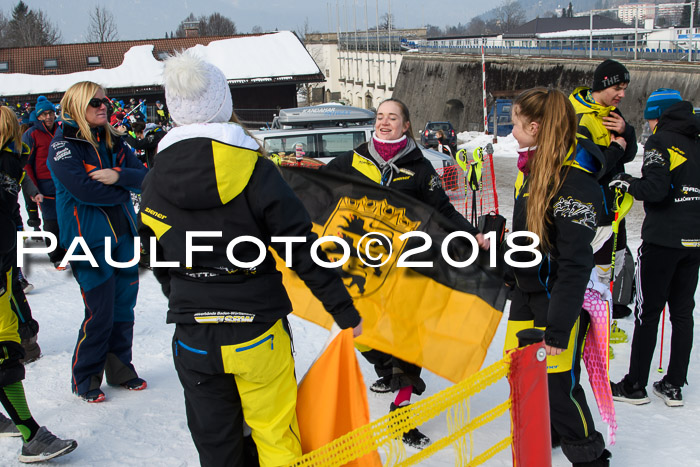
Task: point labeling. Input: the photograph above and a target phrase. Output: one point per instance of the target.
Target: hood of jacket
(679, 118)
(586, 106)
(204, 166)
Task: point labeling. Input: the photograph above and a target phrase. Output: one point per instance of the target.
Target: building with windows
(639, 11)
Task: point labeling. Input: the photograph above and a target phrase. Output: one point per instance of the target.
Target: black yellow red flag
(437, 316)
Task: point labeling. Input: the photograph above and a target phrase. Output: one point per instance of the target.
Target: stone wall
(449, 87)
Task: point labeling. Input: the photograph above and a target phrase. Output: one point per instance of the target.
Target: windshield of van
(335, 144)
(287, 143)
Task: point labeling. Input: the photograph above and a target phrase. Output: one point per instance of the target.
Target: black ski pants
(664, 275)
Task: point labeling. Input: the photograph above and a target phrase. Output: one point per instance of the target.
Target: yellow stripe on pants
(264, 372)
(555, 363)
(8, 318)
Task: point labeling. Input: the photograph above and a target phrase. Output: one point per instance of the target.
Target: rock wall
(449, 87)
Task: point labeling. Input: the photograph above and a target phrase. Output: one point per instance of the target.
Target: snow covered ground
(150, 428)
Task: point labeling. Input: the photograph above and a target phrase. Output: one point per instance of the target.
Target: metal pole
(691, 45)
(391, 71)
(636, 20)
(357, 54)
(347, 33)
(483, 91)
(337, 35)
(369, 70)
(379, 66)
(590, 45)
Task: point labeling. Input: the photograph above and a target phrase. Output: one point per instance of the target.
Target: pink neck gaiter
(524, 155)
(388, 149)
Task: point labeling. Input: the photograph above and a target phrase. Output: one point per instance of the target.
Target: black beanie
(609, 73)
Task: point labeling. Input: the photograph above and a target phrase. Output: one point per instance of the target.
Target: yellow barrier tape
(478, 422)
(386, 432)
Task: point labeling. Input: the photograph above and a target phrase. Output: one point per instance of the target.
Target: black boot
(602, 461)
(412, 437)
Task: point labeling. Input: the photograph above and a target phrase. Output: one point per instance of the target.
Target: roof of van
(324, 115)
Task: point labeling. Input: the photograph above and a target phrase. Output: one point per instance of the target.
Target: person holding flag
(392, 158)
(557, 198)
(669, 257)
(232, 344)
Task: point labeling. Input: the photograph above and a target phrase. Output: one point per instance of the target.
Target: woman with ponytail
(557, 198)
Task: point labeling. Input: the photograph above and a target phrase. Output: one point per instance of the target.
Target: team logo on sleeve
(434, 183)
(579, 212)
(653, 157)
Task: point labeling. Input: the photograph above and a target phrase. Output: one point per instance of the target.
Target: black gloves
(621, 181)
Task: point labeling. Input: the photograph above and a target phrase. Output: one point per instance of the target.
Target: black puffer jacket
(670, 183)
(564, 273)
(416, 178)
(204, 184)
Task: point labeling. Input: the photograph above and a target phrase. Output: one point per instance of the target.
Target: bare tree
(256, 30)
(510, 15)
(386, 20)
(102, 26)
(218, 25)
(303, 31)
(30, 28)
(214, 25)
(3, 29)
(476, 27)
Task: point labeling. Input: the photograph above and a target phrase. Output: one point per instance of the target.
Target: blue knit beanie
(42, 105)
(659, 101)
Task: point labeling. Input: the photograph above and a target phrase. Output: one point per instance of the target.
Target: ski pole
(661, 353)
(622, 205)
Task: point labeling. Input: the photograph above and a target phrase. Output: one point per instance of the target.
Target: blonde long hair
(75, 103)
(555, 136)
(9, 129)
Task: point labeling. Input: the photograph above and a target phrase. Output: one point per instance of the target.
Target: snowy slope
(150, 427)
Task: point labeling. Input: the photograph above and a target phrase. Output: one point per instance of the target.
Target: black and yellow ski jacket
(563, 273)
(416, 178)
(670, 183)
(211, 178)
(590, 125)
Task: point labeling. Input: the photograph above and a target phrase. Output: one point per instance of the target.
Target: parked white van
(327, 131)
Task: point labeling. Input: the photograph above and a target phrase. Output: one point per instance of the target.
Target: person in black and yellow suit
(600, 121)
(392, 158)
(39, 443)
(558, 199)
(669, 257)
(232, 343)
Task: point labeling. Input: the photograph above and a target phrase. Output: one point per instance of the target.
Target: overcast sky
(146, 19)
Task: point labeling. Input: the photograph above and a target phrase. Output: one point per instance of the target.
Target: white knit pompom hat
(196, 91)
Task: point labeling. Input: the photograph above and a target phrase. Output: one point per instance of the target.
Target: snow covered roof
(259, 58)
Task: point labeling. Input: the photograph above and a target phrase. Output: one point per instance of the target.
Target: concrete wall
(449, 87)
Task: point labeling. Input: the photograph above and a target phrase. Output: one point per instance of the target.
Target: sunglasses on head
(96, 103)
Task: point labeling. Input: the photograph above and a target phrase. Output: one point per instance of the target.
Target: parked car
(505, 124)
(429, 140)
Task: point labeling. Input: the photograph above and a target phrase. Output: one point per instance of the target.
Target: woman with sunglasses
(94, 172)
